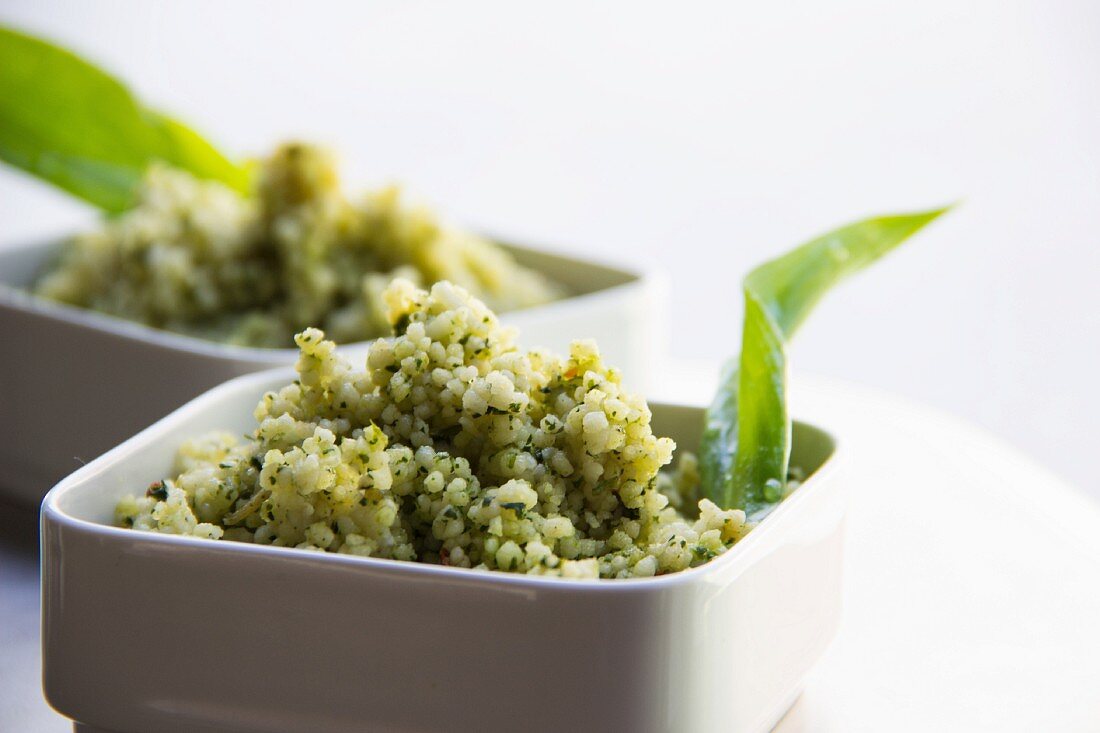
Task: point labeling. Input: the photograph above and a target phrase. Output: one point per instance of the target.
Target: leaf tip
(932, 214)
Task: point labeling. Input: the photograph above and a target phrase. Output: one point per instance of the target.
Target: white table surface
(973, 582)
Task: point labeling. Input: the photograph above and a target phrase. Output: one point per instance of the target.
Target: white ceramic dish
(74, 382)
(147, 632)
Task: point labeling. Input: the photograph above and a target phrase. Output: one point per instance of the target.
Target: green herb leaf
(71, 124)
(746, 441)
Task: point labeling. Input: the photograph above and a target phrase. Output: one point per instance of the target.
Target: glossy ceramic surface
(146, 632)
(73, 382)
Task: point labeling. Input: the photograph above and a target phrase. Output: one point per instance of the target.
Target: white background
(702, 138)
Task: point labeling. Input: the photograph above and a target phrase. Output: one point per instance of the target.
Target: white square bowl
(150, 632)
(74, 382)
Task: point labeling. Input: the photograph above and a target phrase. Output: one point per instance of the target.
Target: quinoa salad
(451, 446)
(195, 257)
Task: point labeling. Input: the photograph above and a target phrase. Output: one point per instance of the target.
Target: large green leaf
(71, 124)
(747, 436)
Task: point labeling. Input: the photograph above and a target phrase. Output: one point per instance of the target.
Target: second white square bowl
(74, 382)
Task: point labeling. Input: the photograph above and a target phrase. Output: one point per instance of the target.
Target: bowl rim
(18, 298)
(51, 513)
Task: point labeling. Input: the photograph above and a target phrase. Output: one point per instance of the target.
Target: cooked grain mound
(452, 446)
(196, 258)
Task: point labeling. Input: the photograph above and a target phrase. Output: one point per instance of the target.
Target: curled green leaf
(75, 126)
(746, 442)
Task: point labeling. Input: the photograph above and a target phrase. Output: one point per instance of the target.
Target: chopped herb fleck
(516, 506)
(158, 490)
